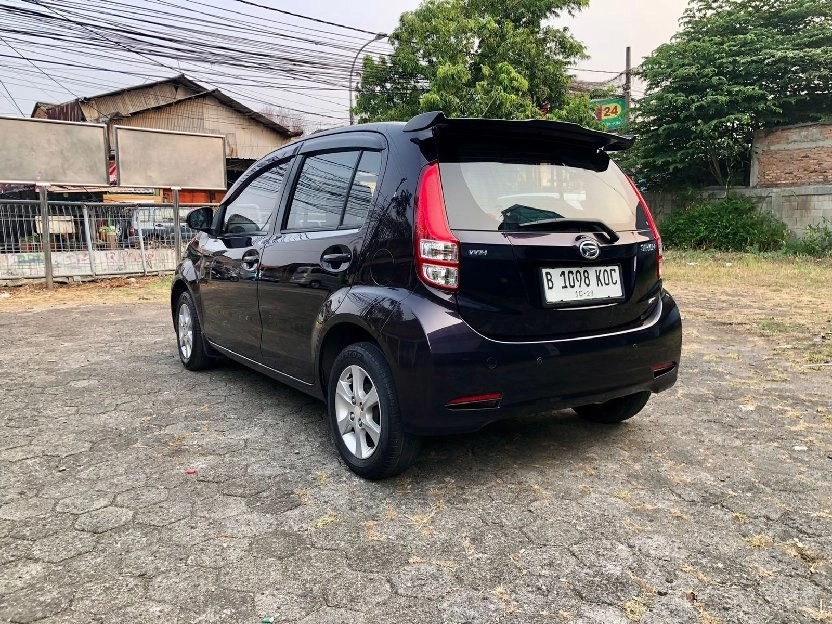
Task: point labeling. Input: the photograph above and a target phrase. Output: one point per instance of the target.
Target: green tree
(735, 66)
(476, 58)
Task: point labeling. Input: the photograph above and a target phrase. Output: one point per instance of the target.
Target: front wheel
(189, 335)
(364, 414)
(614, 410)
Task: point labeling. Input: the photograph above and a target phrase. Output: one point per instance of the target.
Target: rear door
(553, 241)
(316, 249)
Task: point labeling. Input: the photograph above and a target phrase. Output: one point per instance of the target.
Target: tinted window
(253, 208)
(321, 191)
(497, 195)
(363, 189)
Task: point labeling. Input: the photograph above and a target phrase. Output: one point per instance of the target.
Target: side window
(321, 191)
(363, 189)
(253, 208)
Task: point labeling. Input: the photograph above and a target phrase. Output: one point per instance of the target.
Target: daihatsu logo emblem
(589, 249)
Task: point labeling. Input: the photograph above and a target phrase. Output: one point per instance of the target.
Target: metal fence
(90, 239)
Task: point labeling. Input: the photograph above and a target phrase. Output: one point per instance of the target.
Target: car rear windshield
(507, 192)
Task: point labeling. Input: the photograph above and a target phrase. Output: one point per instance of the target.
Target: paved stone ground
(714, 505)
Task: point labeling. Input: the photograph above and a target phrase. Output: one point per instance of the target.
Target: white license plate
(597, 283)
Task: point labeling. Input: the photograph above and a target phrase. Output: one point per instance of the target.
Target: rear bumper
(458, 362)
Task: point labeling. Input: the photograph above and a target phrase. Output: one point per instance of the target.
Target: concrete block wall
(798, 207)
(791, 156)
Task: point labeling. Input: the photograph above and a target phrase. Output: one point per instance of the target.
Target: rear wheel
(615, 410)
(364, 414)
(189, 335)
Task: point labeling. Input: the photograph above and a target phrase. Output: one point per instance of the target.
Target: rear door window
(363, 189)
(321, 191)
(490, 193)
(334, 190)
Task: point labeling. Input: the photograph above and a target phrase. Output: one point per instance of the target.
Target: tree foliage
(476, 58)
(735, 66)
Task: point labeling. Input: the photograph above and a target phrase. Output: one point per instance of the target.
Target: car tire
(189, 342)
(364, 414)
(615, 410)
(314, 284)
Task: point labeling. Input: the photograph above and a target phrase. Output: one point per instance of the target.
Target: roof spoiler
(567, 132)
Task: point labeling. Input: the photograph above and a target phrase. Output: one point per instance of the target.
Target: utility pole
(378, 37)
(628, 86)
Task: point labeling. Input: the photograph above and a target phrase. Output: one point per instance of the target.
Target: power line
(38, 68)
(11, 99)
(312, 19)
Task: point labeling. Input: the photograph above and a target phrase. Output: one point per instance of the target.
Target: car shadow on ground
(516, 442)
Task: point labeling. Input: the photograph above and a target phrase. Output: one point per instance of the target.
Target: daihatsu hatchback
(465, 270)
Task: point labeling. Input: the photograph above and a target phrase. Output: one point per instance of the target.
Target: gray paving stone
(62, 545)
(89, 501)
(103, 520)
(12, 549)
(539, 519)
(164, 513)
(141, 497)
(21, 574)
(34, 604)
(26, 508)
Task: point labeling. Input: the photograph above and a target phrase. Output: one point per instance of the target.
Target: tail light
(652, 225)
(437, 249)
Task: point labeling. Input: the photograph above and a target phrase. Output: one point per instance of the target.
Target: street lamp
(378, 37)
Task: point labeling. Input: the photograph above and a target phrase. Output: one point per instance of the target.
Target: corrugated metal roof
(237, 106)
(128, 101)
(150, 96)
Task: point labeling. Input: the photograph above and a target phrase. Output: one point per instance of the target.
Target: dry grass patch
(326, 520)
(110, 291)
(782, 300)
(821, 614)
(422, 522)
(758, 541)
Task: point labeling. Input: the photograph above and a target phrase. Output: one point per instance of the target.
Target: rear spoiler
(557, 130)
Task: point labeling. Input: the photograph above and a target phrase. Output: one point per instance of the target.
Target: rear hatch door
(553, 240)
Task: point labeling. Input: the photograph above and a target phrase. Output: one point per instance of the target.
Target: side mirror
(201, 219)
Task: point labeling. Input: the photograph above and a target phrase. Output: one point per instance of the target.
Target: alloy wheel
(186, 331)
(358, 412)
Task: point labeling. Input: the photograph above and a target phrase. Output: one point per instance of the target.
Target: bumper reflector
(479, 401)
(661, 369)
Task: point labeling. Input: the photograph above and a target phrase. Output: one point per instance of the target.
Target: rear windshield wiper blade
(593, 225)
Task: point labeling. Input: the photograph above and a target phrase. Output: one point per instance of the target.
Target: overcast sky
(607, 27)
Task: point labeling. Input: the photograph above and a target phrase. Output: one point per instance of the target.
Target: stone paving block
(103, 520)
(26, 508)
(289, 601)
(139, 497)
(21, 574)
(110, 595)
(34, 604)
(219, 606)
(218, 552)
(62, 545)
(13, 549)
(692, 510)
(89, 501)
(41, 526)
(163, 514)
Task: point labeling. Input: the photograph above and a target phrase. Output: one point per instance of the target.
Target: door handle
(250, 260)
(336, 258)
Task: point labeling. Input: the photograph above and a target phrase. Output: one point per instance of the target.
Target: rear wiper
(593, 225)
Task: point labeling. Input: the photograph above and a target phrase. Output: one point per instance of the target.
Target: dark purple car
(468, 270)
